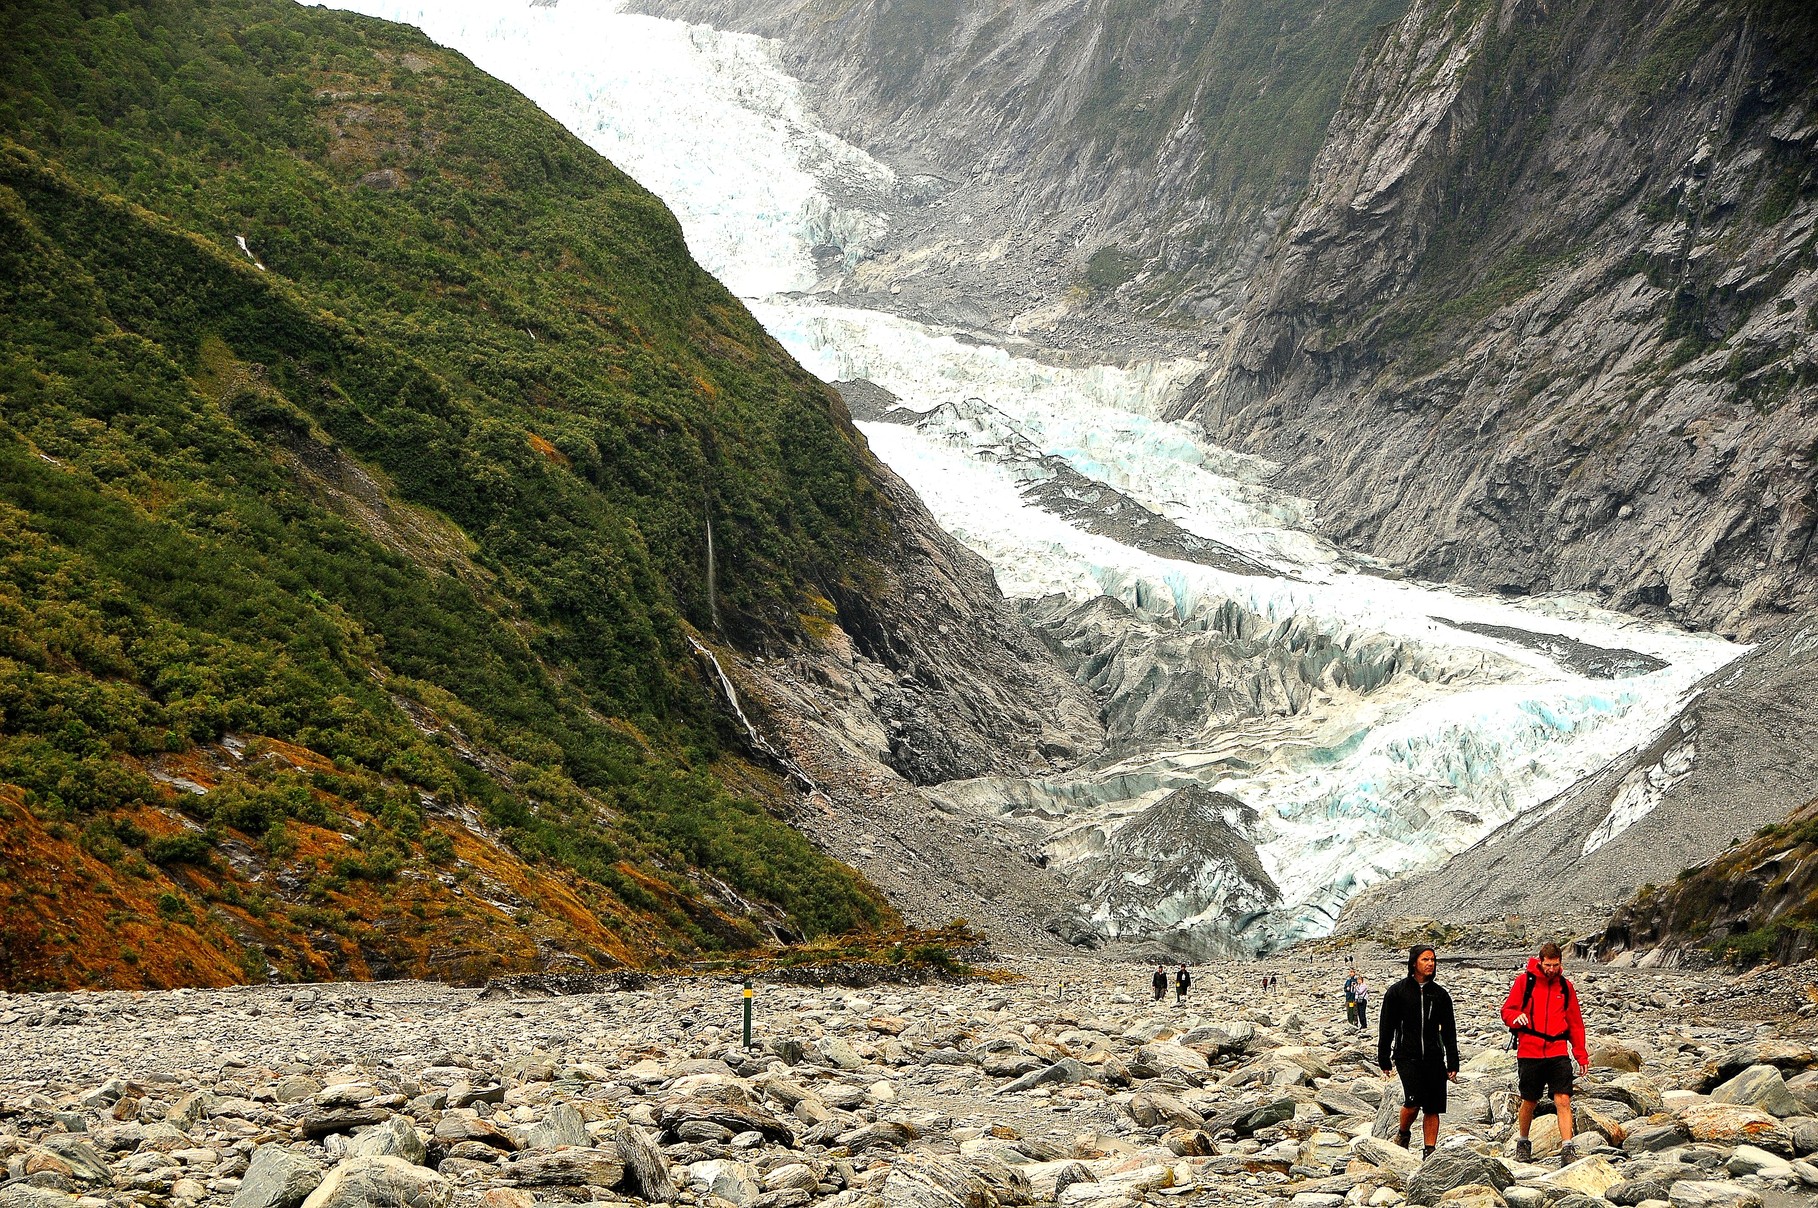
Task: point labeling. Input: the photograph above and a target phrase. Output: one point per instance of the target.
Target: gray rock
(1702, 1193)
(1066, 1071)
(1760, 1086)
(574, 1167)
(383, 1182)
(646, 1169)
(1153, 1109)
(562, 1126)
(24, 1195)
(1451, 1168)
(277, 1178)
(1652, 1138)
(396, 1137)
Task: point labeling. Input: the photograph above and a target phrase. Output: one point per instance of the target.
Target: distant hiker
(1183, 981)
(1542, 1013)
(1159, 982)
(1351, 1001)
(1360, 996)
(1417, 1038)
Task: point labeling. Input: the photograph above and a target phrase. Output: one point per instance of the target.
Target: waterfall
(763, 746)
(713, 600)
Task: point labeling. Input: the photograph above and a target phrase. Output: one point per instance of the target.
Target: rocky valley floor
(1061, 1083)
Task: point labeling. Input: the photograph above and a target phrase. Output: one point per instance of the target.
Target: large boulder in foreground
(381, 1182)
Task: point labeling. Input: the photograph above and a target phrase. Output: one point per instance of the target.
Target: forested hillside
(360, 433)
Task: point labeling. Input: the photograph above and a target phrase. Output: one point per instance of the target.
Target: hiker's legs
(1407, 1118)
(1524, 1117)
(1429, 1129)
(1562, 1107)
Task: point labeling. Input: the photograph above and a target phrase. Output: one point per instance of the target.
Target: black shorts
(1543, 1076)
(1423, 1087)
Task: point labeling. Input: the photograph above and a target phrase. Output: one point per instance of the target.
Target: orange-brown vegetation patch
(547, 450)
(69, 919)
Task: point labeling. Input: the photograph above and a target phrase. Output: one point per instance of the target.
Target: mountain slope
(1548, 318)
(358, 477)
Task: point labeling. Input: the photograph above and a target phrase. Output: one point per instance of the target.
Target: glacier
(1301, 721)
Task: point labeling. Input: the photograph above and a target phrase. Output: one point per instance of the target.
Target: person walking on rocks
(1417, 1037)
(1183, 981)
(1159, 983)
(1351, 1000)
(1542, 1011)
(1360, 1000)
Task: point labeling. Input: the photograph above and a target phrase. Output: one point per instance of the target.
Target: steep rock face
(1737, 759)
(1545, 319)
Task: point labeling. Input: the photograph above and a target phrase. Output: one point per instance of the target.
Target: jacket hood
(1414, 955)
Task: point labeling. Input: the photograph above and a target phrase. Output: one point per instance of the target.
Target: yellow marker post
(747, 1012)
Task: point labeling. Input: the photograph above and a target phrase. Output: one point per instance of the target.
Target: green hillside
(422, 500)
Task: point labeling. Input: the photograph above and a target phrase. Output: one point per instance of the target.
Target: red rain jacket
(1553, 1016)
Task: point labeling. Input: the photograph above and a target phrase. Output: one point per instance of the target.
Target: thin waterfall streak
(713, 600)
(759, 743)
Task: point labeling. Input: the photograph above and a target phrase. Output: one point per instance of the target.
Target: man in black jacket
(1418, 1038)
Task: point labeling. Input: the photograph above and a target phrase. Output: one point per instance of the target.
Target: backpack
(1527, 998)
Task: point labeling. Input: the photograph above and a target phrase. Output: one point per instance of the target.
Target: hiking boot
(1524, 1150)
(1568, 1153)
(1402, 1138)
(1426, 1151)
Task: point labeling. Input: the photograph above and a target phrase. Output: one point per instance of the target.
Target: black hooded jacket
(1415, 1026)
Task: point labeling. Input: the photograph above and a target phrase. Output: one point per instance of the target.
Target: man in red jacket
(1542, 1011)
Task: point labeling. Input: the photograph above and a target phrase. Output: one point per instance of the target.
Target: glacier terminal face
(1287, 723)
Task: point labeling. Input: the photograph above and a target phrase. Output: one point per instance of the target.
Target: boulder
(1048, 1179)
(396, 1137)
(1611, 1055)
(383, 1182)
(1710, 1193)
(1471, 1195)
(646, 1168)
(572, 1167)
(277, 1178)
(1264, 1116)
(1637, 1090)
(1387, 1154)
(562, 1126)
(1155, 1109)
(837, 1052)
(1451, 1168)
(1652, 1138)
(1804, 1131)
(1732, 1124)
(1587, 1176)
(735, 1182)
(1751, 1159)
(1648, 1185)
(1788, 1056)
(24, 1195)
(732, 1117)
(1760, 1086)
(1064, 1072)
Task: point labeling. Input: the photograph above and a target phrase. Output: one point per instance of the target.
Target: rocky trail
(1060, 1083)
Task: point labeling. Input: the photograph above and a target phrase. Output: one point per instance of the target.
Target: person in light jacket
(1417, 1038)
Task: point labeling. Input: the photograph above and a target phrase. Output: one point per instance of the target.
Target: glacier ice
(1469, 709)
